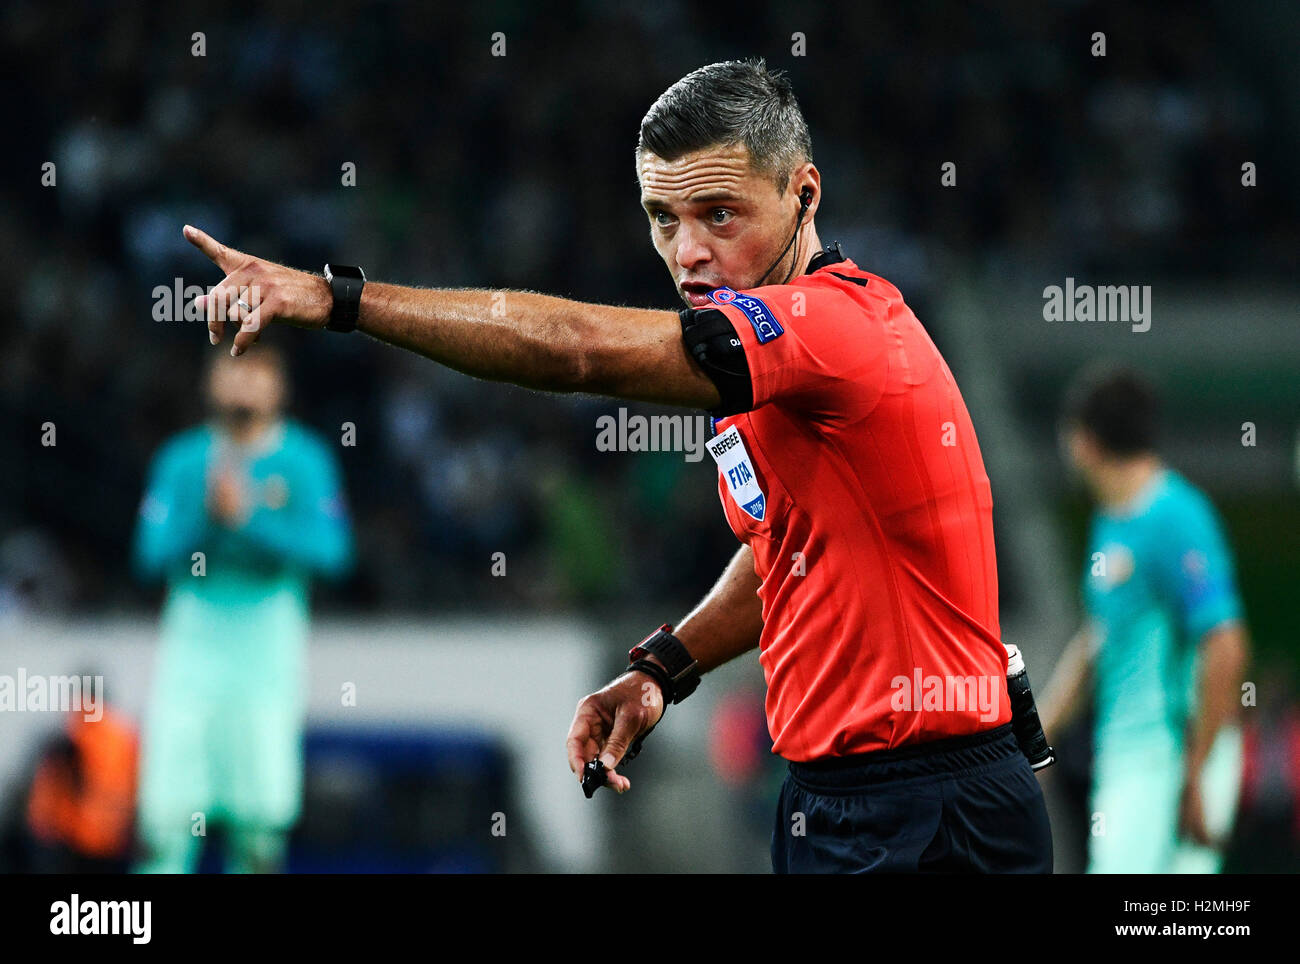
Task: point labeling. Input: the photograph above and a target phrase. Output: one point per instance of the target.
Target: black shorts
(968, 804)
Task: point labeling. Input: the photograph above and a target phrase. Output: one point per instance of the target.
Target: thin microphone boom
(805, 198)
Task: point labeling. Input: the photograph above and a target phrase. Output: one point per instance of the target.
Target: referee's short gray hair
(733, 102)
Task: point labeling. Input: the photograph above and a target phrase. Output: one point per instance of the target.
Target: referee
(848, 468)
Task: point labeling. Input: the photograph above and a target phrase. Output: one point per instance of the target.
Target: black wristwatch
(679, 674)
(346, 282)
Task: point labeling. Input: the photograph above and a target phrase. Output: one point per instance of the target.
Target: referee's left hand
(608, 721)
(272, 293)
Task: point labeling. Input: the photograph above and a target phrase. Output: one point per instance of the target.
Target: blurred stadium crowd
(474, 170)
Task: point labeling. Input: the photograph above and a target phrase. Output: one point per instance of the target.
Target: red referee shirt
(857, 481)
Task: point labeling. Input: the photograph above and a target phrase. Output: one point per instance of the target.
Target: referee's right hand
(607, 721)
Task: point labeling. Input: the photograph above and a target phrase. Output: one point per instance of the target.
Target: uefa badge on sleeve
(760, 316)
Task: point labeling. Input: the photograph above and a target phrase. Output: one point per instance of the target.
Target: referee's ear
(806, 177)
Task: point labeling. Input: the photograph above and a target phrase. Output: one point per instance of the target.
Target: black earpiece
(805, 199)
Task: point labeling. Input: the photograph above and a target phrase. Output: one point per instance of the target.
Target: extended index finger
(223, 257)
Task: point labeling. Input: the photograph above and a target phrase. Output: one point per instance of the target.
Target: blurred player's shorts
(1134, 808)
(240, 763)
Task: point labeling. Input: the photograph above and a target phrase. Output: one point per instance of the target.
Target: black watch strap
(346, 282)
(677, 673)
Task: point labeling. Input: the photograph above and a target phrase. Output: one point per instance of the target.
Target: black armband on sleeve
(717, 349)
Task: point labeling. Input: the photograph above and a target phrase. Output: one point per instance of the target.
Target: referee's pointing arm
(533, 340)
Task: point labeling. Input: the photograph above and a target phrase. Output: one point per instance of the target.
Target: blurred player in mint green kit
(1164, 644)
(260, 497)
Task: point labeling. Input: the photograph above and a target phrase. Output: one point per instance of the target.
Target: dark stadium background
(517, 172)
